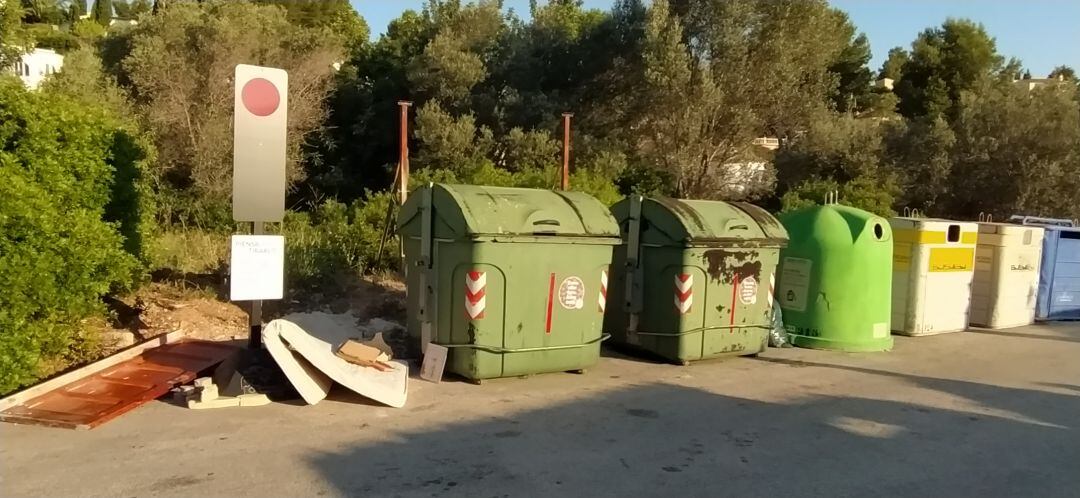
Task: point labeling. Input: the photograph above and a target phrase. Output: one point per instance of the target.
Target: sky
(1041, 33)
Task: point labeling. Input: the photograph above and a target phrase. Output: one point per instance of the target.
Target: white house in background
(33, 67)
(884, 83)
(1031, 84)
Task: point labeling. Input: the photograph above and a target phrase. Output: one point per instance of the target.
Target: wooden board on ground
(85, 371)
(109, 392)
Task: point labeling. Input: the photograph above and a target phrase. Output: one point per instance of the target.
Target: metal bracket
(427, 242)
(633, 292)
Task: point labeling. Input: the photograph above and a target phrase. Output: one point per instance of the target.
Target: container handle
(547, 222)
(497, 349)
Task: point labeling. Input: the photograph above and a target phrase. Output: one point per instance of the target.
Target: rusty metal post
(403, 153)
(566, 151)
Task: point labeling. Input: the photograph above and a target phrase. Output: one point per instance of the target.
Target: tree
(66, 172)
(184, 92)
(13, 38)
(727, 73)
(42, 12)
(140, 7)
(893, 66)
(1017, 152)
(842, 154)
(75, 10)
(122, 9)
(102, 12)
(920, 151)
(854, 77)
(946, 61)
(1063, 72)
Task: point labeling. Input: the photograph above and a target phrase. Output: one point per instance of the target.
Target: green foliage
(854, 77)
(944, 62)
(921, 154)
(13, 38)
(102, 12)
(41, 11)
(335, 243)
(178, 66)
(58, 254)
(1063, 72)
(893, 67)
(1017, 151)
(863, 193)
(122, 9)
(50, 37)
(841, 154)
(140, 7)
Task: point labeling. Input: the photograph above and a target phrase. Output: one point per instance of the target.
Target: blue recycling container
(1059, 277)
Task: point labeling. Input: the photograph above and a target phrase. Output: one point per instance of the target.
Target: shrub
(336, 241)
(58, 255)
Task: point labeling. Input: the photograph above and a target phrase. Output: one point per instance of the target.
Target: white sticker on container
(572, 293)
(748, 290)
(794, 283)
(881, 330)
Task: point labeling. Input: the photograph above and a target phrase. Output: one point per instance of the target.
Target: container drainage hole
(878, 232)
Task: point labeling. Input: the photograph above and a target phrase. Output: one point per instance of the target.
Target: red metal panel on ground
(98, 398)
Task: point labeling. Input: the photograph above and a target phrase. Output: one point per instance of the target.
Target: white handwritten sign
(258, 265)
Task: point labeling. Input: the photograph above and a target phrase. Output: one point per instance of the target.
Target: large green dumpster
(700, 274)
(509, 279)
(835, 279)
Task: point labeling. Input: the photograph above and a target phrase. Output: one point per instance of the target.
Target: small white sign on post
(258, 266)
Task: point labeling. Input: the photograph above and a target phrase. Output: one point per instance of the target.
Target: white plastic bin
(933, 267)
(1006, 283)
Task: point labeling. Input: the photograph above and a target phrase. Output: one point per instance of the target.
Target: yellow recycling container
(933, 267)
(1006, 282)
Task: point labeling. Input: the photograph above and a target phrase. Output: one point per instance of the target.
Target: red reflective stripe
(734, 293)
(551, 300)
(474, 298)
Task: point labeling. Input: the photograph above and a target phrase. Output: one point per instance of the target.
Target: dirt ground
(198, 306)
(980, 413)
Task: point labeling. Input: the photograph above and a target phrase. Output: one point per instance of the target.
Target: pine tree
(102, 13)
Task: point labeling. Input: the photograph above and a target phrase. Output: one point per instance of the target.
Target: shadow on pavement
(664, 440)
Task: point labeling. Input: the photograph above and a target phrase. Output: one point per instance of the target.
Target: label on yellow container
(945, 259)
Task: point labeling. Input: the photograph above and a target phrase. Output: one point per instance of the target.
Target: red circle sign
(260, 97)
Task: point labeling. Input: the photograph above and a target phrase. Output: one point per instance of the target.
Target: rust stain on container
(724, 265)
(93, 400)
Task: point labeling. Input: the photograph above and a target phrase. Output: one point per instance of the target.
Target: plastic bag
(778, 337)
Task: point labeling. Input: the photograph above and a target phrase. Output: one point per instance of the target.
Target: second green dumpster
(509, 279)
(835, 284)
(701, 274)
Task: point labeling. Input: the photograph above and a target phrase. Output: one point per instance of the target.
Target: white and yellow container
(1006, 281)
(933, 267)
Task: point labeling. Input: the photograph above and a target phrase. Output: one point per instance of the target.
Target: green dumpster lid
(470, 210)
(691, 221)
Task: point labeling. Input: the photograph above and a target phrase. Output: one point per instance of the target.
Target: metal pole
(255, 317)
(403, 152)
(566, 151)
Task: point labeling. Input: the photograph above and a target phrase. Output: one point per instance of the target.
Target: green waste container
(700, 274)
(508, 279)
(835, 279)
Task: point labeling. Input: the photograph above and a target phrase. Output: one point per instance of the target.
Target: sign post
(260, 112)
